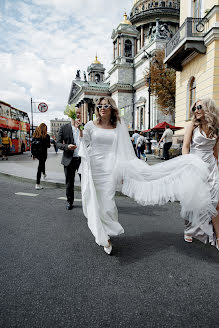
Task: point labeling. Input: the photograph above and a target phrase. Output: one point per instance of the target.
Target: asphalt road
(52, 274)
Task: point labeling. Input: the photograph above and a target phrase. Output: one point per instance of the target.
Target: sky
(44, 42)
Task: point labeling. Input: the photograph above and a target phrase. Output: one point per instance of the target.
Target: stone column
(85, 112)
(142, 36)
(114, 52)
(118, 47)
(135, 48)
(122, 46)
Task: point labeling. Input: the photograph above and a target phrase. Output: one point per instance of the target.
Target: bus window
(26, 118)
(5, 111)
(13, 114)
(14, 135)
(1, 110)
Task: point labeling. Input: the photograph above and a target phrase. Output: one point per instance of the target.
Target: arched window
(128, 48)
(97, 77)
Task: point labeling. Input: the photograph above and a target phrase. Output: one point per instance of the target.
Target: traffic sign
(43, 107)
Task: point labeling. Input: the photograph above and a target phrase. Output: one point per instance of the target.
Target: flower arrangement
(70, 111)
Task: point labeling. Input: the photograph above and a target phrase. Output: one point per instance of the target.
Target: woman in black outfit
(40, 143)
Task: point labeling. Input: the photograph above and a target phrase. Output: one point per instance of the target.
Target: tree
(163, 83)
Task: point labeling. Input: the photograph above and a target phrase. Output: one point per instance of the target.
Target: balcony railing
(192, 28)
(147, 6)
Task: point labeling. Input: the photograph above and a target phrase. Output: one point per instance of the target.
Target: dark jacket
(43, 145)
(64, 139)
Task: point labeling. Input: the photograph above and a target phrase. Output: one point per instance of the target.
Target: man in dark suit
(68, 141)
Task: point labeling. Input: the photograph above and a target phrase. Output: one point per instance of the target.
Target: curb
(48, 183)
(43, 183)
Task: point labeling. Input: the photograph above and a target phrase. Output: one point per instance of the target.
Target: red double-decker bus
(17, 124)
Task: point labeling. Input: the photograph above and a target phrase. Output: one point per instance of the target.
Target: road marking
(26, 194)
(64, 198)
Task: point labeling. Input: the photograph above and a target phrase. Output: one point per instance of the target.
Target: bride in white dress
(108, 163)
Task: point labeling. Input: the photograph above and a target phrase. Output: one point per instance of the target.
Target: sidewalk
(22, 166)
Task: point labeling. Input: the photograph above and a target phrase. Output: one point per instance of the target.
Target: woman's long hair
(41, 131)
(211, 116)
(114, 110)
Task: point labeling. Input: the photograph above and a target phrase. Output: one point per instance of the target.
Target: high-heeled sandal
(108, 249)
(188, 238)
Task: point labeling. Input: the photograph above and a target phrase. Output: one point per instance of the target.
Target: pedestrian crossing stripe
(64, 198)
(26, 194)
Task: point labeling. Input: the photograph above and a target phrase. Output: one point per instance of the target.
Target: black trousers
(166, 148)
(41, 169)
(70, 177)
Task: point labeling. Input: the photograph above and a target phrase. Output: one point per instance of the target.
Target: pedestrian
(135, 137)
(202, 139)
(6, 145)
(40, 144)
(167, 137)
(108, 163)
(68, 141)
(140, 145)
(55, 144)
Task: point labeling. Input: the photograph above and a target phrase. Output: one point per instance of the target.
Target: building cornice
(117, 66)
(121, 87)
(212, 35)
(139, 84)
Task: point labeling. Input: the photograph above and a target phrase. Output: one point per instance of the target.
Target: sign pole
(32, 114)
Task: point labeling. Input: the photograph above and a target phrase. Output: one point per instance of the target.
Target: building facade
(56, 124)
(150, 25)
(194, 53)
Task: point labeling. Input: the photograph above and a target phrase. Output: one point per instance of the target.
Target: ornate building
(150, 26)
(194, 53)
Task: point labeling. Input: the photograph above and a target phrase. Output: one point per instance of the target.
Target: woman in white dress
(202, 139)
(108, 163)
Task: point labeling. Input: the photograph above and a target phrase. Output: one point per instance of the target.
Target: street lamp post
(149, 56)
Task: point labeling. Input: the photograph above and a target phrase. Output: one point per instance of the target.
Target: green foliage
(70, 111)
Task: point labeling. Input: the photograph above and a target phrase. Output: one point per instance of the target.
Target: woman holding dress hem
(202, 139)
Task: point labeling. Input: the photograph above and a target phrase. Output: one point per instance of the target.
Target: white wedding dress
(108, 163)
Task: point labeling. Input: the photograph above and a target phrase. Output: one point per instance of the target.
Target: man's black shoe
(69, 206)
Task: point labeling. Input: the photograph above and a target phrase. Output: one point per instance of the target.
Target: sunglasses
(199, 107)
(103, 106)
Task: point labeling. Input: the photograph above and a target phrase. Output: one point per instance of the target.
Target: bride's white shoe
(188, 238)
(108, 249)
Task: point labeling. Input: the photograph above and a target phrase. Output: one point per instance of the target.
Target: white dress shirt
(76, 133)
(168, 135)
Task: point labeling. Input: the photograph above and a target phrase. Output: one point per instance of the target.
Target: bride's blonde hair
(211, 116)
(114, 110)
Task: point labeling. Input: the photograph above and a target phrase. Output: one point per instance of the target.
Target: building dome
(125, 20)
(96, 61)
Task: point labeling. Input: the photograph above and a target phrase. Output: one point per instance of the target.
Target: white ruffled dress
(108, 163)
(202, 146)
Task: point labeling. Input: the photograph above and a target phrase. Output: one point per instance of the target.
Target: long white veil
(182, 179)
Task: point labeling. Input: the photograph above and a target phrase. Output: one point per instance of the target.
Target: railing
(148, 5)
(192, 27)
